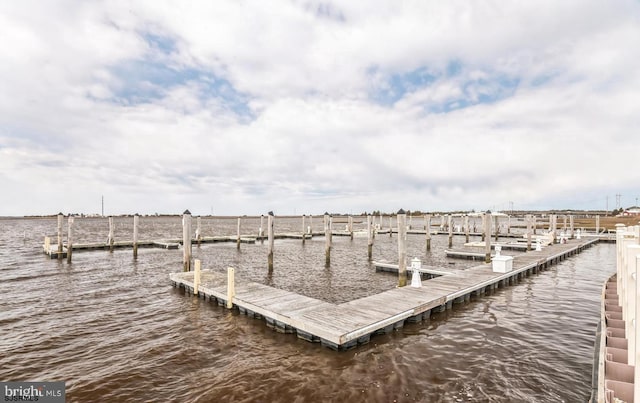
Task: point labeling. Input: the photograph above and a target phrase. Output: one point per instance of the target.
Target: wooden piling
(487, 237)
(186, 240)
(534, 224)
(110, 239)
(69, 238)
(427, 226)
(196, 276)
(350, 227)
(369, 238)
(597, 224)
(402, 248)
(466, 228)
(238, 234)
(270, 240)
(529, 220)
(450, 228)
(60, 217)
(199, 230)
(497, 227)
(327, 239)
(231, 286)
(571, 227)
(390, 226)
(304, 230)
(508, 224)
(135, 235)
(261, 229)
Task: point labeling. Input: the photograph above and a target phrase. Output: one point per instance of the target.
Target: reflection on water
(115, 330)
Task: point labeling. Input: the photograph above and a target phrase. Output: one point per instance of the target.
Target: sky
(301, 107)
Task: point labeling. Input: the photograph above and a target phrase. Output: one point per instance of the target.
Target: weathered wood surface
(340, 325)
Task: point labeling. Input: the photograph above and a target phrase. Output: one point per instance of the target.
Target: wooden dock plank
(346, 322)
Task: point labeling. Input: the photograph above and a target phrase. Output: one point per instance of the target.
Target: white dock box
(502, 264)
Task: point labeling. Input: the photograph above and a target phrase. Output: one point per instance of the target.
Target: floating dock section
(344, 326)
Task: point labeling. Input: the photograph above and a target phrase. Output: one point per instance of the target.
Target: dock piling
(69, 238)
(369, 238)
(231, 286)
(238, 235)
(427, 227)
(402, 248)
(529, 220)
(110, 239)
(199, 230)
(487, 236)
(261, 229)
(270, 241)
(60, 217)
(196, 276)
(466, 228)
(327, 239)
(304, 235)
(135, 235)
(186, 240)
(571, 227)
(450, 228)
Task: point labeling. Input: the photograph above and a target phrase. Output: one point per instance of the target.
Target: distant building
(632, 211)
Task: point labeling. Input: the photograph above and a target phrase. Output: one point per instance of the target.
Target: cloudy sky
(241, 107)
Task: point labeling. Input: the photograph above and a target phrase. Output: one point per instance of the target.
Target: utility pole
(618, 196)
(103, 205)
(606, 210)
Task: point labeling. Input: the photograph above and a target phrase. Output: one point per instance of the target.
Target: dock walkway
(343, 326)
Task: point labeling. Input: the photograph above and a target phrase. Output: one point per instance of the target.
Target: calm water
(115, 330)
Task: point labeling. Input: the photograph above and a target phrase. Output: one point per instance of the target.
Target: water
(115, 330)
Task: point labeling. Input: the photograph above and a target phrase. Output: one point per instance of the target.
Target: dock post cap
(187, 212)
(60, 213)
(270, 213)
(401, 211)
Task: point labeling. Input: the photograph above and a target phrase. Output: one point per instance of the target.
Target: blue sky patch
(146, 80)
(397, 85)
(394, 87)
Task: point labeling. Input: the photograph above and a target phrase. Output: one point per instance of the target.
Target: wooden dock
(344, 326)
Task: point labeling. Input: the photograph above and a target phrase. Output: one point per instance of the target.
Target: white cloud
(249, 106)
